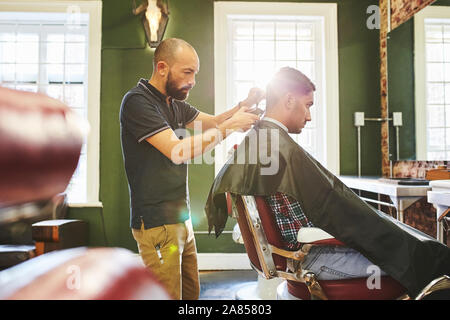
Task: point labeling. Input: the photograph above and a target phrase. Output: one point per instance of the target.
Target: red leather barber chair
(263, 243)
(40, 144)
(82, 274)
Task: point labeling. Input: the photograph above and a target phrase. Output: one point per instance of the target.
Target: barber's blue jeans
(336, 263)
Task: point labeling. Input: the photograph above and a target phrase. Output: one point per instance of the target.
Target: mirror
(428, 138)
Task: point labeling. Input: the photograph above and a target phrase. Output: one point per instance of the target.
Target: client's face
(301, 113)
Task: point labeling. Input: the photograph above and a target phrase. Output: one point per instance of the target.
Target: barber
(152, 115)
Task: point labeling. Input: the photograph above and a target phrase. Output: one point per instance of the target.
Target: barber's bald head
(289, 96)
(170, 49)
(175, 64)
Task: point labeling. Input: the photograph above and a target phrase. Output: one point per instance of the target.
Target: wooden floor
(223, 285)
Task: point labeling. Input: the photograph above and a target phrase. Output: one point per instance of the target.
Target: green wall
(126, 58)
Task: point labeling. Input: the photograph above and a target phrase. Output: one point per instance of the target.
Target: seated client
(302, 193)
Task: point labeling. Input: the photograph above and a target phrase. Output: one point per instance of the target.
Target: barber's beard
(173, 91)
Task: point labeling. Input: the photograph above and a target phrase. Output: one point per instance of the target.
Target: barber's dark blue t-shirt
(158, 188)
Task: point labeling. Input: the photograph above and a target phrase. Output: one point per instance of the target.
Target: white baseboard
(223, 261)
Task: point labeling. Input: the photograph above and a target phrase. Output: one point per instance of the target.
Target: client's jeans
(335, 263)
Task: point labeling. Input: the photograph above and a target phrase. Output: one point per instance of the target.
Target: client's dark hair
(287, 80)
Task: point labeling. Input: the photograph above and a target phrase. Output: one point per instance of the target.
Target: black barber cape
(406, 254)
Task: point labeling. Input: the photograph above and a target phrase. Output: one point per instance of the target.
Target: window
(432, 64)
(50, 52)
(253, 41)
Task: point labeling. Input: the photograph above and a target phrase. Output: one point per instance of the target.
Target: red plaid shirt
(289, 216)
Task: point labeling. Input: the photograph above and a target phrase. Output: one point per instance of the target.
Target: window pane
(264, 50)
(243, 70)
(27, 52)
(74, 95)
(75, 35)
(307, 68)
(55, 52)
(447, 116)
(446, 34)
(242, 30)
(435, 52)
(263, 72)
(435, 116)
(306, 140)
(243, 50)
(27, 33)
(436, 156)
(305, 31)
(75, 52)
(286, 50)
(435, 72)
(447, 138)
(241, 89)
(7, 72)
(264, 31)
(305, 50)
(74, 73)
(285, 31)
(447, 93)
(433, 33)
(435, 93)
(436, 139)
(27, 72)
(54, 73)
(7, 52)
(7, 33)
(53, 33)
(447, 52)
(447, 73)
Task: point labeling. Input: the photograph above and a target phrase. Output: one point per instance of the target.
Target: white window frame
(430, 12)
(94, 9)
(327, 11)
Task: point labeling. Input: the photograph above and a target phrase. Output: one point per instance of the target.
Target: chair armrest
(317, 236)
(296, 255)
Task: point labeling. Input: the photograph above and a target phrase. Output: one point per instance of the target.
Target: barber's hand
(255, 95)
(241, 120)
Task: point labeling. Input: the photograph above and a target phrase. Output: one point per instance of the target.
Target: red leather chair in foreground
(82, 274)
(263, 243)
(40, 144)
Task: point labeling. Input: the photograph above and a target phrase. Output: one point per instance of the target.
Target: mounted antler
(154, 15)
(142, 7)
